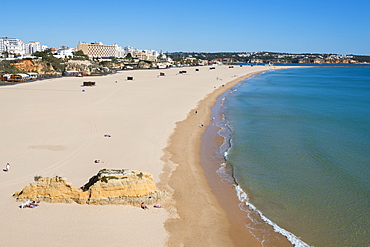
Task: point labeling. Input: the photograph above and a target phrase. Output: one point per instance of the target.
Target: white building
(152, 53)
(65, 52)
(128, 49)
(44, 47)
(11, 45)
(121, 53)
(38, 46)
(18, 47)
(30, 48)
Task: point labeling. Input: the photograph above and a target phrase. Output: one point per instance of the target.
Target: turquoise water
(300, 150)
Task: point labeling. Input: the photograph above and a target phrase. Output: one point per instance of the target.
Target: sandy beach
(53, 127)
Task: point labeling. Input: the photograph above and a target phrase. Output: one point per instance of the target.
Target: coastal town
(117, 140)
(21, 61)
(185, 123)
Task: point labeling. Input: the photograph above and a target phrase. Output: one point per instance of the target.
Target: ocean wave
(224, 173)
(296, 241)
(224, 177)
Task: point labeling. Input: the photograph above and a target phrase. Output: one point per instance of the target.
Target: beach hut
(33, 75)
(88, 83)
(161, 66)
(19, 77)
(6, 77)
(74, 73)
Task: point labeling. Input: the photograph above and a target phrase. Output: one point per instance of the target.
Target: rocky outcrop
(78, 65)
(34, 66)
(144, 65)
(55, 189)
(332, 61)
(127, 187)
(256, 60)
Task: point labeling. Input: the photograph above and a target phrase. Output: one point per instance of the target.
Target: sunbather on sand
(29, 204)
(143, 206)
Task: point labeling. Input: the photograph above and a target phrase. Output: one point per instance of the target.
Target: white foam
(296, 241)
(245, 205)
(224, 177)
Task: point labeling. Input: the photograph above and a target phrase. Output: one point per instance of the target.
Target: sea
(297, 150)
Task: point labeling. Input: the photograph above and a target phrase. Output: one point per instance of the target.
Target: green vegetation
(7, 68)
(129, 56)
(106, 178)
(49, 59)
(177, 56)
(80, 55)
(263, 56)
(108, 171)
(36, 178)
(362, 59)
(140, 175)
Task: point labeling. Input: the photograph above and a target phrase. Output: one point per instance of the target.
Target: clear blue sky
(294, 26)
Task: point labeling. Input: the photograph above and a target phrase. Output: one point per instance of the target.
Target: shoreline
(220, 174)
(192, 214)
(67, 125)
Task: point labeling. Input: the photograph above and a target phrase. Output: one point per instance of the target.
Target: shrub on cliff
(6, 67)
(49, 59)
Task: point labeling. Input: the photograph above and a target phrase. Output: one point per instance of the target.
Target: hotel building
(100, 50)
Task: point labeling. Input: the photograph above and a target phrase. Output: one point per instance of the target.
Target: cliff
(125, 187)
(332, 61)
(37, 66)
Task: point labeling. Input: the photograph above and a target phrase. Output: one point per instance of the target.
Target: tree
(48, 57)
(43, 54)
(79, 53)
(5, 54)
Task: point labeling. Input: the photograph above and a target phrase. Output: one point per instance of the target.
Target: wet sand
(223, 187)
(52, 127)
(207, 210)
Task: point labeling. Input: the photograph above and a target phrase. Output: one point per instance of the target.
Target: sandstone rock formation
(124, 186)
(77, 65)
(34, 66)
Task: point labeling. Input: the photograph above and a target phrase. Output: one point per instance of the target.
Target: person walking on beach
(7, 167)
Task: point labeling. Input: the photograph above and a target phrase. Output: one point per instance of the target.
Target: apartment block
(144, 55)
(99, 49)
(12, 45)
